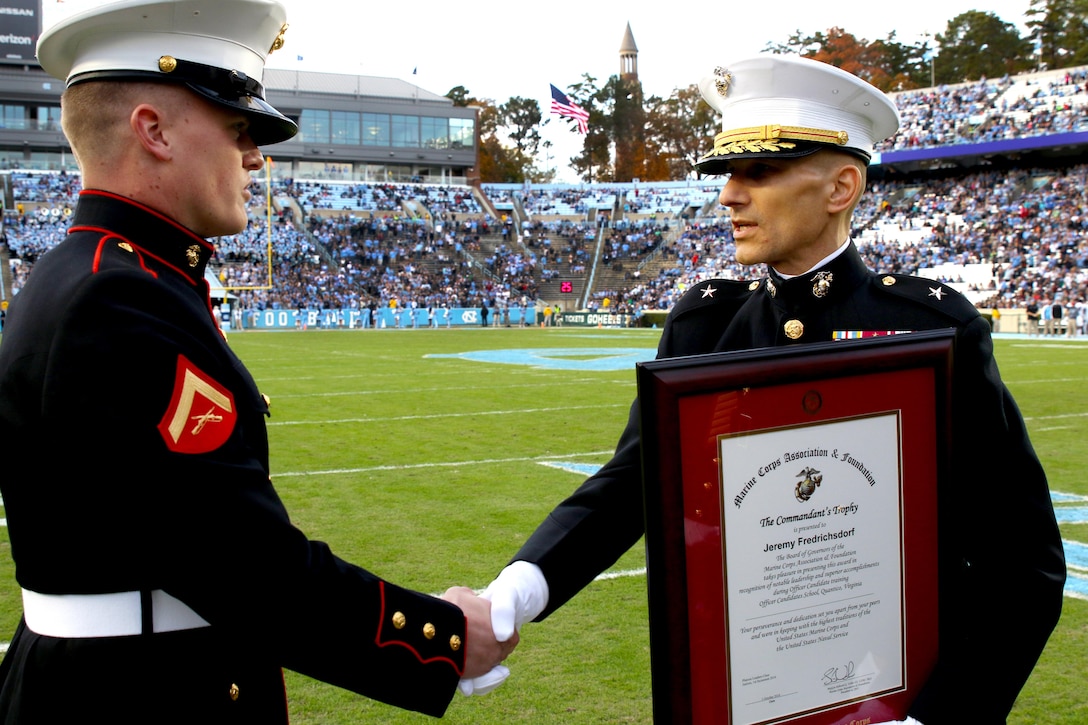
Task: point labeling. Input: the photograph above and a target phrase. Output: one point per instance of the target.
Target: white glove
(517, 595)
(908, 720)
(484, 683)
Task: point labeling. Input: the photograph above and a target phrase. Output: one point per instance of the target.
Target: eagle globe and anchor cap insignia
(810, 481)
(201, 414)
(722, 80)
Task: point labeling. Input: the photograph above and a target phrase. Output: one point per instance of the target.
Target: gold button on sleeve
(455, 643)
(399, 620)
(234, 692)
(428, 630)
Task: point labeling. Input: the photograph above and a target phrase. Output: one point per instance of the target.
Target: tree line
(659, 138)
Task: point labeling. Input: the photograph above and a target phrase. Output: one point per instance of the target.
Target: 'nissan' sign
(20, 26)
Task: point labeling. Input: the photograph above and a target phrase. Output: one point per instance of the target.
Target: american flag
(566, 108)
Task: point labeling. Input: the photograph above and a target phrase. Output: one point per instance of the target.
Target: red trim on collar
(149, 210)
(107, 234)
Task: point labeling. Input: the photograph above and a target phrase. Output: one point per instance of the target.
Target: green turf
(427, 470)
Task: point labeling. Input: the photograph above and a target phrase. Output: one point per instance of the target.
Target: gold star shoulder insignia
(708, 292)
(936, 292)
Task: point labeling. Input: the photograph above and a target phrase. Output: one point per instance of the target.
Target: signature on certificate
(837, 674)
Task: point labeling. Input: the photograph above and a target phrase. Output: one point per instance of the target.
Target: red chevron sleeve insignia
(201, 414)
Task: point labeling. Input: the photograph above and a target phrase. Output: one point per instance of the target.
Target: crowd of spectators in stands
(356, 245)
(1029, 225)
(991, 110)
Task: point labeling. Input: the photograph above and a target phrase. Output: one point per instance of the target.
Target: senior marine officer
(796, 142)
(162, 579)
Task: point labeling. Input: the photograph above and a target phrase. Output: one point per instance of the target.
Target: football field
(429, 456)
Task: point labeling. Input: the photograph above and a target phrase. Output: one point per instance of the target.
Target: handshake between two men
(517, 595)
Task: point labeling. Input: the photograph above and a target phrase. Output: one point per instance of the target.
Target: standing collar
(834, 278)
(826, 260)
(145, 228)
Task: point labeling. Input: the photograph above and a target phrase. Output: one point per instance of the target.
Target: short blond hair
(95, 114)
(91, 114)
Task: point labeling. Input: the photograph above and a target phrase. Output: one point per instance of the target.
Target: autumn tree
(679, 129)
(887, 64)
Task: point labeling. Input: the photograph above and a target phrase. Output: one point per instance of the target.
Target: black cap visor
(266, 124)
(230, 88)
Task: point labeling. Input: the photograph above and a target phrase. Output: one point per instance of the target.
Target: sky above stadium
(498, 50)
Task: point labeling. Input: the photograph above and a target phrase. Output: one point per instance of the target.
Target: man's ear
(849, 183)
(148, 125)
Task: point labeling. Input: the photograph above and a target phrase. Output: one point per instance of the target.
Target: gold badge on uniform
(821, 284)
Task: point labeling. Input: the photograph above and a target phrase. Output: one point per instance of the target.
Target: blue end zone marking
(601, 359)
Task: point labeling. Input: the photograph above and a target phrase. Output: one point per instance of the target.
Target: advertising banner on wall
(597, 319)
(353, 319)
(20, 26)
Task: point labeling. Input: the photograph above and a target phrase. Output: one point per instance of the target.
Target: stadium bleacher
(1003, 233)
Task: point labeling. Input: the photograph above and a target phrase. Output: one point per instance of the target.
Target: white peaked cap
(217, 48)
(786, 106)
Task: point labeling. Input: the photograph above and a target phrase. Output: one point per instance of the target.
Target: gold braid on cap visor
(771, 138)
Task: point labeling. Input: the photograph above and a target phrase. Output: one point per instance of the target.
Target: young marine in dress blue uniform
(797, 136)
(162, 578)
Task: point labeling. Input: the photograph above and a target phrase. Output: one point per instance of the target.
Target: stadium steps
(549, 291)
(284, 201)
(484, 202)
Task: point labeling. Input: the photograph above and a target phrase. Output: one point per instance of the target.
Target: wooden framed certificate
(791, 528)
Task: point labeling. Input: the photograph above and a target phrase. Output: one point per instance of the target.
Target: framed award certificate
(791, 528)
